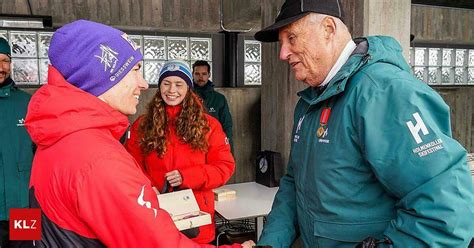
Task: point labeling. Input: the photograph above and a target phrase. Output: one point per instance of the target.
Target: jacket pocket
(24, 171)
(349, 232)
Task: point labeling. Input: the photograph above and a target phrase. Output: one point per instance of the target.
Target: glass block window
(252, 63)
(443, 66)
(159, 49)
(30, 53)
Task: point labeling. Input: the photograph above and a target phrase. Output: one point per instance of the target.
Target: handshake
(251, 244)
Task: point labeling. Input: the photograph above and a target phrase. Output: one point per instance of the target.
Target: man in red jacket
(91, 192)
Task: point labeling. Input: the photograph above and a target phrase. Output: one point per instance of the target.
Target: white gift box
(223, 194)
(184, 210)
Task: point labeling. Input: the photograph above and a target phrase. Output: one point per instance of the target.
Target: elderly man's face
(5, 67)
(306, 45)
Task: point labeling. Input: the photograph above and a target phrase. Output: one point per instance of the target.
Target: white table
(252, 200)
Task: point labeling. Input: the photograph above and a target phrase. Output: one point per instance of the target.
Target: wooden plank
(146, 11)
(157, 14)
(442, 25)
(68, 11)
(81, 8)
(21, 7)
(123, 13)
(151, 15)
(134, 10)
(244, 104)
(460, 101)
(104, 11)
(185, 15)
(170, 9)
(93, 9)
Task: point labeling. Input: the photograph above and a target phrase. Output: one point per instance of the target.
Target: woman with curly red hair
(180, 146)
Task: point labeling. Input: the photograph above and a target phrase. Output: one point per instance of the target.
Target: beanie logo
(173, 67)
(122, 69)
(130, 41)
(108, 58)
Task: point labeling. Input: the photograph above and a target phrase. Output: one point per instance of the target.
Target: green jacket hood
(385, 49)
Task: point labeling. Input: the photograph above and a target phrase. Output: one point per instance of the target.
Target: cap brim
(270, 33)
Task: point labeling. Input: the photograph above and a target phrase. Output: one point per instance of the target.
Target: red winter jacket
(92, 193)
(200, 171)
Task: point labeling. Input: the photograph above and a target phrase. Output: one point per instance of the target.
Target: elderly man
(16, 151)
(372, 157)
(91, 191)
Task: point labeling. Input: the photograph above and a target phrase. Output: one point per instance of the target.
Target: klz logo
(415, 129)
(25, 224)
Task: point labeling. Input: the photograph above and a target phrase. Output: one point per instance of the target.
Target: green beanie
(5, 47)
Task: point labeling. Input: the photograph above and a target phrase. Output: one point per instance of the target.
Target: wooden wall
(432, 24)
(461, 103)
(152, 15)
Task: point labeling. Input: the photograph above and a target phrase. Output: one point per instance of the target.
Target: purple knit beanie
(92, 56)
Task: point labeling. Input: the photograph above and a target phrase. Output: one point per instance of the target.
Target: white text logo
(22, 224)
(108, 58)
(21, 122)
(415, 129)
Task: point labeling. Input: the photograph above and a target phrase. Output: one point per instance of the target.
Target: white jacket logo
(21, 122)
(415, 129)
(108, 58)
(144, 203)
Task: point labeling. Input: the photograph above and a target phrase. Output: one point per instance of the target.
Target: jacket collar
(207, 87)
(173, 111)
(58, 109)
(6, 87)
(338, 83)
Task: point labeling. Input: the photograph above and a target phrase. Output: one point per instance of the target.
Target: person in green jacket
(372, 162)
(215, 103)
(16, 148)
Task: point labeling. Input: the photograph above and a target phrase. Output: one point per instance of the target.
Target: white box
(223, 194)
(184, 210)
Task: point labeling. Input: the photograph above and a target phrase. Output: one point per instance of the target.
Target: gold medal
(320, 132)
(323, 120)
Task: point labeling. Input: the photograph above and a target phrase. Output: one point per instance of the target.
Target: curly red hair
(191, 125)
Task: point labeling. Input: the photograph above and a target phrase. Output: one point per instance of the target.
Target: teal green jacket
(217, 106)
(385, 164)
(16, 152)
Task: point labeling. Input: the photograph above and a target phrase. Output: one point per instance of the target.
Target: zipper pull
(366, 58)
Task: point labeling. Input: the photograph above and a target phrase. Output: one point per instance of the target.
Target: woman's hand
(174, 178)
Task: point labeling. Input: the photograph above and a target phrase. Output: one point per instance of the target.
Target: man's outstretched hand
(248, 244)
